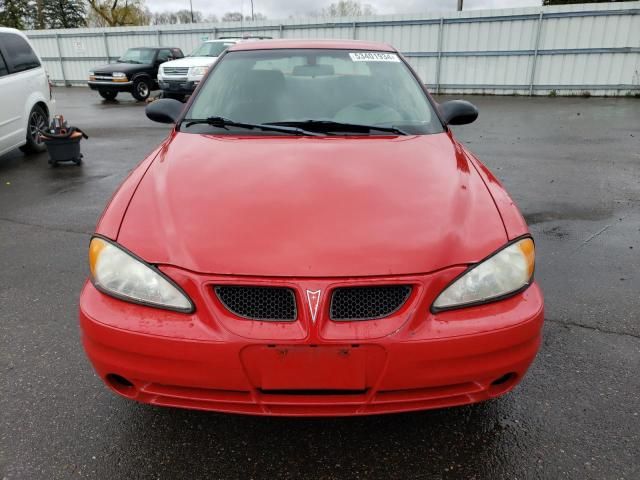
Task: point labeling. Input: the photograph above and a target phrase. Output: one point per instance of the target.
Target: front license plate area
(290, 368)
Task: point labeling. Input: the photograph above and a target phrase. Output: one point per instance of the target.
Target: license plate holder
(283, 367)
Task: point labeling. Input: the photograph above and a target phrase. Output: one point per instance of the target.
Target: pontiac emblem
(313, 298)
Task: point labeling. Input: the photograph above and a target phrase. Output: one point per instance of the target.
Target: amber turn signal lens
(528, 250)
(96, 246)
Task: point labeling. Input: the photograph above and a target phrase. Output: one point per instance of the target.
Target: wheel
(38, 120)
(108, 94)
(141, 89)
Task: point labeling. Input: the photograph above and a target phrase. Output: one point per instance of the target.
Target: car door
(12, 128)
(24, 76)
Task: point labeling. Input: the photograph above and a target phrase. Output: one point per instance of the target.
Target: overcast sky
(284, 8)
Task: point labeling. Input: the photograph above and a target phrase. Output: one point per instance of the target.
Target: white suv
(181, 77)
(25, 95)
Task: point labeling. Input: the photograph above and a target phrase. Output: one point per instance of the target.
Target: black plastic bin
(64, 149)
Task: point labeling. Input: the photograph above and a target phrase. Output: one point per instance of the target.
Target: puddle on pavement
(567, 213)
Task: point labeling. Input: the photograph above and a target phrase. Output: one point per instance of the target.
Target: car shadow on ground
(446, 442)
(15, 158)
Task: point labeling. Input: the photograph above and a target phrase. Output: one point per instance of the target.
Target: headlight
(119, 77)
(507, 271)
(92, 76)
(117, 272)
(198, 71)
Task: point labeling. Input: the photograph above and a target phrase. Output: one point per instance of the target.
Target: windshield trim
(229, 51)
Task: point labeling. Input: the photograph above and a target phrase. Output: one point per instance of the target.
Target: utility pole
(252, 16)
(459, 5)
(191, 7)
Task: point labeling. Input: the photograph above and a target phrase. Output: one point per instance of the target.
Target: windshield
(299, 85)
(138, 55)
(211, 49)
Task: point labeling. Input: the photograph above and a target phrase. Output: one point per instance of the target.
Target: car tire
(108, 94)
(141, 89)
(38, 120)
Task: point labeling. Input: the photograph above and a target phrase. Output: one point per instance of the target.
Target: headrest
(262, 79)
(313, 70)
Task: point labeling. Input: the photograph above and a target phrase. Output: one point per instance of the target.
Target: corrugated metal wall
(572, 49)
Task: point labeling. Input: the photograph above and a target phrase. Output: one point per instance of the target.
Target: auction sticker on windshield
(374, 57)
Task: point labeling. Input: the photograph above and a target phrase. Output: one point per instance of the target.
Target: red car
(311, 239)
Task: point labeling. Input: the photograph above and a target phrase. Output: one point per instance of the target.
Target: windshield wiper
(331, 126)
(226, 122)
(124, 60)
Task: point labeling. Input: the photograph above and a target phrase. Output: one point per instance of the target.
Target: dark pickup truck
(135, 72)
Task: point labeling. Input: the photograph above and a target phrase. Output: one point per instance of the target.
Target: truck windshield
(316, 89)
(138, 55)
(211, 49)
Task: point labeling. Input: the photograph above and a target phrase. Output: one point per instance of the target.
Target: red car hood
(307, 206)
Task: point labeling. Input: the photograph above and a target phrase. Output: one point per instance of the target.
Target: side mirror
(458, 112)
(165, 110)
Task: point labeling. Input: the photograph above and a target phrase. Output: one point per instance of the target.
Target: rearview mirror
(165, 110)
(458, 112)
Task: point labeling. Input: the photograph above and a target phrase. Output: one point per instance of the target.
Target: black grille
(258, 303)
(366, 303)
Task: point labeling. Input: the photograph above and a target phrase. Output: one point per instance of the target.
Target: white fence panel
(572, 49)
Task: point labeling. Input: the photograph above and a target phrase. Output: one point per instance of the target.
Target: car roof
(325, 44)
(12, 30)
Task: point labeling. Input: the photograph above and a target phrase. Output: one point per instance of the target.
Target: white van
(25, 95)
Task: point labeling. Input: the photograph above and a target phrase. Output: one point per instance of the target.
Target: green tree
(64, 13)
(16, 14)
(115, 13)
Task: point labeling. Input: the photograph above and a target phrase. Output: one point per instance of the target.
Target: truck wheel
(141, 89)
(38, 120)
(108, 94)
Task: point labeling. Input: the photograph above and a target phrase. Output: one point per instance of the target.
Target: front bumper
(183, 87)
(201, 361)
(113, 86)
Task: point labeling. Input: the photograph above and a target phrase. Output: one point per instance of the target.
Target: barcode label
(374, 57)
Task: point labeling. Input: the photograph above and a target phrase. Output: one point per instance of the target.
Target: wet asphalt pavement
(573, 166)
